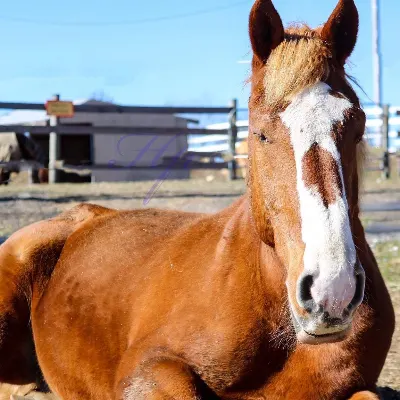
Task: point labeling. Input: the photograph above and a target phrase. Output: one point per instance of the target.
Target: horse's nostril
(305, 287)
(304, 292)
(359, 294)
(326, 317)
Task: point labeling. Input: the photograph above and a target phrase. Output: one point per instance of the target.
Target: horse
(278, 296)
(15, 147)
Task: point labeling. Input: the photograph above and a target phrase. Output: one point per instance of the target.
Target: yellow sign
(62, 109)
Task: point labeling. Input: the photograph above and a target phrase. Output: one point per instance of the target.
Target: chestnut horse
(264, 300)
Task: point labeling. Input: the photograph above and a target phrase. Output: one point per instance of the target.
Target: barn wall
(140, 150)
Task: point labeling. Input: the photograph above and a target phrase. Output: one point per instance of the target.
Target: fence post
(385, 138)
(232, 137)
(54, 148)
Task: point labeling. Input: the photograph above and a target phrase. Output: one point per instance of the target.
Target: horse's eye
(261, 136)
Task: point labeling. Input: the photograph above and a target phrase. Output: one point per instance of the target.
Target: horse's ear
(341, 30)
(266, 29)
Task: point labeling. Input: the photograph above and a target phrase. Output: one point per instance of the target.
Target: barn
(112, 150)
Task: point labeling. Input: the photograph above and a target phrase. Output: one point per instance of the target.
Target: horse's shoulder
(46, 238)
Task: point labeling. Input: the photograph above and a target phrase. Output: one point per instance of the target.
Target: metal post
(377, 65)
(31, 173)
(376, 49)
(385, 140)
(54, 148)
(232, 137)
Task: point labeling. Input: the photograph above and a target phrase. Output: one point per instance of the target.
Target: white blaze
(329, 254)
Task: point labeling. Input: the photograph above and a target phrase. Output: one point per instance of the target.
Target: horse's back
(127, 239)
(105, 268)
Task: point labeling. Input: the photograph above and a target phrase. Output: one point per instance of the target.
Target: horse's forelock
(302, 60)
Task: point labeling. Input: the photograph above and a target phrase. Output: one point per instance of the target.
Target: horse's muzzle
(310, 331)
(317, 325)
(306, 338)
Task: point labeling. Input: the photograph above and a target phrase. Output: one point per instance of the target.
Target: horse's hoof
(364, 396)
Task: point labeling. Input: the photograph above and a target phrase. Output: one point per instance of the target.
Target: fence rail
(56, 128)
(111, 108)
(110, 130)
(87, 169)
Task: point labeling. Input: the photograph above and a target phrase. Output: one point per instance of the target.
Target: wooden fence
(55, 128)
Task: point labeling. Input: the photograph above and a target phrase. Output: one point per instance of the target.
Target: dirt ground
(21, 205)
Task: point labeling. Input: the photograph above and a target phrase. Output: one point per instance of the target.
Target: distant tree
(100, 95)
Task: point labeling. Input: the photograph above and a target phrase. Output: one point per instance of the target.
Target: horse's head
(305, 126)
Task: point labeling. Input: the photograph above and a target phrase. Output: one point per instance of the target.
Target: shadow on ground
(389, 394)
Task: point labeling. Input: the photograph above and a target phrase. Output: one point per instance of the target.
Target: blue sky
(76, 48)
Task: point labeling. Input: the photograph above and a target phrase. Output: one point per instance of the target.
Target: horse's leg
(162, 379)
(18, 367)
(27, 260)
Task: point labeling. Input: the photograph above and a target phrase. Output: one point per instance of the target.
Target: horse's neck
(255, 274)
(364, 252)
(249, 246)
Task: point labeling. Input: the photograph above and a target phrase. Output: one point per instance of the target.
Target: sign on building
(62, 109)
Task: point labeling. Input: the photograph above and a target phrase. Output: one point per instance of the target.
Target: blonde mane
(300, 61)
